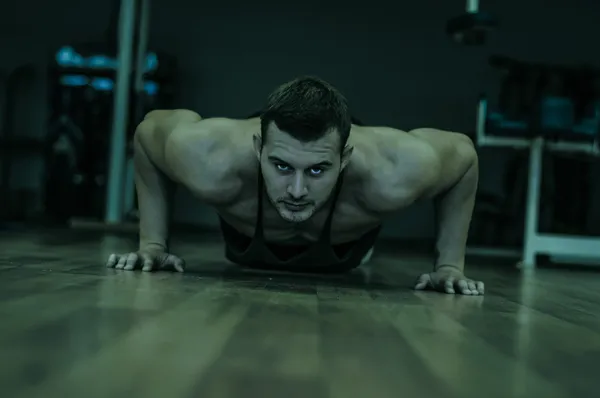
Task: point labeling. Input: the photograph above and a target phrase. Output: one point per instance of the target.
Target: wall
(394, 63)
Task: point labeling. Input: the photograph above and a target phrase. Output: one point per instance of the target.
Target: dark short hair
(307, 108)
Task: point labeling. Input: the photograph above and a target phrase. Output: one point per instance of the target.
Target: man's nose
(297, 188)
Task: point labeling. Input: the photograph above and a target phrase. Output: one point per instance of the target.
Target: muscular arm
(453, 190)
(154, 192)
(178, 147)
(153, 174)
(430, 164)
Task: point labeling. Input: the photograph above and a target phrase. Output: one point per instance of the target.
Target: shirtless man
(301, 188)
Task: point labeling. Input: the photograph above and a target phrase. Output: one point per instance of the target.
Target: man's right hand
(146, 260)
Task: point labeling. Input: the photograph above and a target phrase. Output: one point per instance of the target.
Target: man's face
(299, 176)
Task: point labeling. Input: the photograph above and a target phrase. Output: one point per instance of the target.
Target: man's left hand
(451, 280)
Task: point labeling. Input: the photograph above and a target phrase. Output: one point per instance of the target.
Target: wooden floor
(69, 327)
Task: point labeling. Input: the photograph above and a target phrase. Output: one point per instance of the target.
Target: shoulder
(209, 156)
(423, 150)
(206, 156)
(182, 124)
(400, 167)
(207, 137)
(391, 153)
(443, 142)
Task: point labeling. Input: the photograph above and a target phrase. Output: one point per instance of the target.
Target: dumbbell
(471, 28)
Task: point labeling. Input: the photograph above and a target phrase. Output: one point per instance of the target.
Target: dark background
(392, 60)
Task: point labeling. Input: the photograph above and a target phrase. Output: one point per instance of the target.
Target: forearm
(454, 209)
(154, 194)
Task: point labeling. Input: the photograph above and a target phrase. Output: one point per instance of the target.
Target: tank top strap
(326, 233)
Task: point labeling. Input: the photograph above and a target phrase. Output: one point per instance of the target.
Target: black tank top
(318, 257)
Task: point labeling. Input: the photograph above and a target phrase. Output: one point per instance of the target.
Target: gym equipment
(92, 96)
(558, 102)
(118, 143)
(120, 194)
(559, 126)
(471, 28)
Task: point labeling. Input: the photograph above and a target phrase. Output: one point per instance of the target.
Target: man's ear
(346, 154)
(257, 140)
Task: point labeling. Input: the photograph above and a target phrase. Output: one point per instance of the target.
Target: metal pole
(118, 142)
(473, 6)
(481, 120)
(141, 53)
(142, 45)
(533, 202)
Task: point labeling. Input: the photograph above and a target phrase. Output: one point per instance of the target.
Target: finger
(449, 285)
(131, 262)
(178, 264)
(422, 282)
(112, 260)
(463, 287)
(148, 263)
(472, 287)
(480, 287)
(173, 262)
(122, 261)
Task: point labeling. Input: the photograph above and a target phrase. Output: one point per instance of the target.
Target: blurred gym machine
(98, 92)
(551, 112)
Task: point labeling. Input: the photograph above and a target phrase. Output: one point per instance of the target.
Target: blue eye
(316, 171)
(283, 167)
